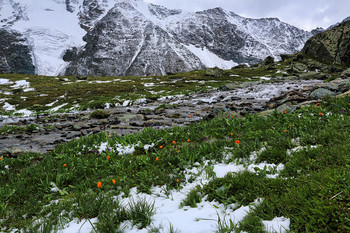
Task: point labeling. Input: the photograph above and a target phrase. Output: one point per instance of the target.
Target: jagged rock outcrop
(15, 54)
(331, 46)
(124, 42)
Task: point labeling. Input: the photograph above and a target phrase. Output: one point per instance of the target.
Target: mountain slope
(331, 46)
(131, 37)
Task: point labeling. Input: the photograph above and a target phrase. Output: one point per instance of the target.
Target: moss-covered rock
(331, 46)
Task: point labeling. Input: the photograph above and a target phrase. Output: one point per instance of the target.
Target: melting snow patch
(21, 84)
(25, 112)
(141, 101)
(210, 59)
(265, 78)
(8, 107)
(149, 84)
(126, 103)
(277, 225)
(58, 107)
(4, 81)
(78, 226)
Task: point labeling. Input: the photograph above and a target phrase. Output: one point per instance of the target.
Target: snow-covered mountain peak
(117, 37)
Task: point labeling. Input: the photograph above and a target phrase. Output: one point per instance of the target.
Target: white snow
(51, 30)
(57, 108)
(277, 225)
(210, 59)
(21, 84)
(77, 226)
(4, 81)
(8, 107)
(25, 112)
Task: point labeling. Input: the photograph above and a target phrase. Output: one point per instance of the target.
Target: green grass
(95, 92)
(306, 190)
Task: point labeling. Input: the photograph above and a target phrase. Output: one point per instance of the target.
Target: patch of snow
(25, 112)
(51, 104)
(126, 103)
(277, 225)
(54, 188)
(210, 59)
(4, 81)
(265, 78)
(8, 107)
(149, 84)
(78, 226)
(21, 84)
(140, 101)
(57, 108)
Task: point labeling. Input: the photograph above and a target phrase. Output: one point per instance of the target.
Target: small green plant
(140, 212)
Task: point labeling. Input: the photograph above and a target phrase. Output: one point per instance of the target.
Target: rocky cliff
(132, 37)
(15, 54)
(331, 46)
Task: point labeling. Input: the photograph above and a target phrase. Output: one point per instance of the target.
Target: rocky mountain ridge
(131, 37)
(331, 46)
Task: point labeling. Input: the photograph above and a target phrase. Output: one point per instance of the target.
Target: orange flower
(108, 157)
(231, 134)
(285, 131)
(161, 147)
(178, 151)
(190, 115)
(285, 112)
(174, 142)
(0, 158)
(188, 140)
(318, 104)
(237, 142)
(7, 155)
(113, 181)
(99, 184)
(231, 116)
(157, 159)
(320, 114)
(65, 165)
(177, 181)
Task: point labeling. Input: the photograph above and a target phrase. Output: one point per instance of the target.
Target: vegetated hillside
(292, 167)
(132, 37)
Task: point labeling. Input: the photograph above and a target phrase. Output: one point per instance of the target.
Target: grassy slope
(306, 190)
(94, 92)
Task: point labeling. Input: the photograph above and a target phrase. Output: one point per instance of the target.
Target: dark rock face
(15, 55)
(128, 41)
(124, 45)
(332, 46)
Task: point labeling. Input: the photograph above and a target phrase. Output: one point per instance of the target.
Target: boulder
(269, 60)
(215, 72)
(331, 46)
(313, 75)
(286, 107)
(346, 73)
(285, 57)
(321, 93)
